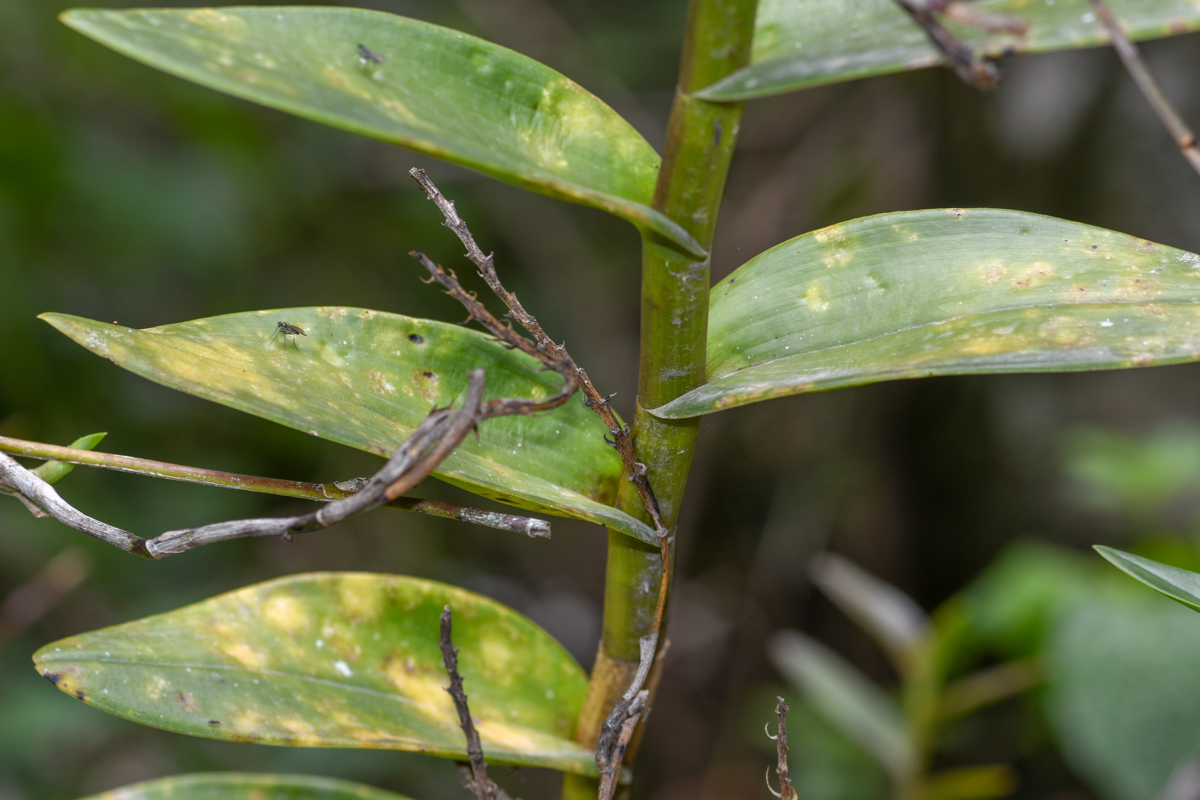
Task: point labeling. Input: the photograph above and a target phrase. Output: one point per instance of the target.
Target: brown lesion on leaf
(426, 383)
(186, 702)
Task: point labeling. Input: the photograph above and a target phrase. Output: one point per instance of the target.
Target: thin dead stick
(960, 56)
(434, 439)
(1132, 59)
(606, 756)
(633, 715)
(321, 492)
(474, 776)
(966, 14)
(786, 792)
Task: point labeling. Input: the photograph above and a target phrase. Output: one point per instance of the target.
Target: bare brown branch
(321, 492)
(434, 439)
(473, 775)
(786, 792)
(960, 56)
(1180, 131)
(608, 756)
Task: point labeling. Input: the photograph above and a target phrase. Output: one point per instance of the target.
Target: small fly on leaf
(287, 329)
(366, 54)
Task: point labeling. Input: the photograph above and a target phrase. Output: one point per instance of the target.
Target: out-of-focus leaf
(1123, 691)
(890, 616)
(1178, 584)
(1137, 475)
(367, 379)
(336, 660)
(1013, 604)
(55, 471)
(970, 783)
(943, 292)
(801, 43)
(428, 88)
(246, 786)
(846, 699)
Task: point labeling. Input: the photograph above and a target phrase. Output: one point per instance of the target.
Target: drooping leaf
(246, 786)
(802, 43)
(336, 660)
(428, 88)
(367, 379)
(943, 292)
(846, 699)
(890, 616)
(1180, 585)
(55, 471)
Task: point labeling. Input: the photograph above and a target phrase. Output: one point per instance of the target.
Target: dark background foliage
(129, 195)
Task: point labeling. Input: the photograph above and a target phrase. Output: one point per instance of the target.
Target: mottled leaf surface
(1178, 584)
(943, 292)
(802, 43)
(335, 660)
(246, 786)
(433, 90)
(367, 379)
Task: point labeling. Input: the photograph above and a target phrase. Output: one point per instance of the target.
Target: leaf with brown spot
(436, 91)
(798, 45)
(336, 660)
(943, 292)
(246, 786)
(358, 378)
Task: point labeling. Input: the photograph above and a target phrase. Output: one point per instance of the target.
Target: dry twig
(474, 776)
(433, 440)
(1132, 59)
(974, 71)
(321, 492)
(607, 757)
(786, 792)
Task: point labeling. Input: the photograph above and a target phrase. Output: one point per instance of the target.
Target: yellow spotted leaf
(367, 379)
(427, 88)
(802, 43)
(336, 660)
(943, 292)
(246, 786)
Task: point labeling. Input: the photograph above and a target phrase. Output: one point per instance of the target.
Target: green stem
(675, 285)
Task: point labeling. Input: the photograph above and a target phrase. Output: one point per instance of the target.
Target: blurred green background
(129, 195)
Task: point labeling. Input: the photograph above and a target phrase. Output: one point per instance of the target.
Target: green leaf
(55, 471)
(846, 699)
(367, 379)
(1180, 585)
(1123, 693)
(814, 42)
(436, 91)
(246, 786)
(892, 618)
(943, 292)
(336, 660)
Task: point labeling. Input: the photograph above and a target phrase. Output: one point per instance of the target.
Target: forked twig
(321, 492)
(474, 776)
(1132, 59)
(786, 792)
(608, 752)
(974, 71)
